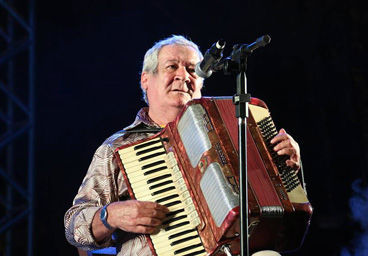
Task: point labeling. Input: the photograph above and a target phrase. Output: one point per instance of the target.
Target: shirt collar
(142, 118)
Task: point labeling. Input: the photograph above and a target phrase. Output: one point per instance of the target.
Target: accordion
(191, 167)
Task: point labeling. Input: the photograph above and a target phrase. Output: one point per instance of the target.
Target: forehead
(179, 53)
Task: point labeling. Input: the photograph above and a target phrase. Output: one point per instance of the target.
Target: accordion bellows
(192, 167)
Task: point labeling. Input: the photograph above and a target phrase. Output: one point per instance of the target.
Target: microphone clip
(237, 61)
(212, 56)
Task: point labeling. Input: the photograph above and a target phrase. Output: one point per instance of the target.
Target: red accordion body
(192, 167)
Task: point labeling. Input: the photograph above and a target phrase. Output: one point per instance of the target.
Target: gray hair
(150, 61)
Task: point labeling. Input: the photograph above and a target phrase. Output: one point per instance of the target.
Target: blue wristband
(103, 217)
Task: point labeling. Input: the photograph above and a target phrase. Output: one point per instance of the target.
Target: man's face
(175, 82)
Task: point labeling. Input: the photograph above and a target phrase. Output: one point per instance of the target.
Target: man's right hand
(136, 216)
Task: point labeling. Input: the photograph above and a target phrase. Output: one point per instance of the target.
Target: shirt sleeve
(103, 183)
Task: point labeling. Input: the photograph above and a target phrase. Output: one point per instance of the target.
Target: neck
(163, 116)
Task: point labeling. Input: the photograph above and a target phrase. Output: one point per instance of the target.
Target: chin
(181, 104)
(181, 101)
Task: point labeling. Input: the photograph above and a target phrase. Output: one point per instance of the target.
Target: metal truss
(17, 123)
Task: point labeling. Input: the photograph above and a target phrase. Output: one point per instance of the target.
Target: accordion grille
(218, 194)
(193, 133)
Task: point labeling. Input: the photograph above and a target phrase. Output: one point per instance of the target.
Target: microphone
(204, 68)
(260, 42)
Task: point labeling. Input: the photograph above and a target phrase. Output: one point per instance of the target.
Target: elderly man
(168, 81)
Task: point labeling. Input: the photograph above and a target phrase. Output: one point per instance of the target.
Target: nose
(182, 74)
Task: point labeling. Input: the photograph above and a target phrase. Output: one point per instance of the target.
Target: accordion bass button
(171, 160)
(195, 222)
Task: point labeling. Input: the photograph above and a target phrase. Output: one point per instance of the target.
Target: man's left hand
(286, 145)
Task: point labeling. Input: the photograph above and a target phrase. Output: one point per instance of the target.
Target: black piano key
(174, 219)
(165, 139)
(167, 198)
(152, 164)
(162, 191)
(138, 153)
(195, 253)
(140, 146)
(158, 178)
(160, 184)
(283, 158)
(155, 170)
(180, 234)
(172, 203)
(151, 156)
(187, 248)
(177, 225)
(174, 212)
(183, 240)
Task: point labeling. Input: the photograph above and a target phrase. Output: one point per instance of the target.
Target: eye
(171, 67)
(191, 69)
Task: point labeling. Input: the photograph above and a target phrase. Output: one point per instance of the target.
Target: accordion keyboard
(288, 176)
(152, 178)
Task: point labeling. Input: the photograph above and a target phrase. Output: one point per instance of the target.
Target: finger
(156, 214)
(162, 208)
(282, 135)
(150, 213)
(139, 229)
(287, 151)
(155, 206)
(140, 225)
(146, 221)
(293, 164)
(283, 144)
(137, 209)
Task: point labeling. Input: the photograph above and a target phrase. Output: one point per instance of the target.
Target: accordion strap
(147, 129)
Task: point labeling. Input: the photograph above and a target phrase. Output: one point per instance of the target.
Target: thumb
(282, 130)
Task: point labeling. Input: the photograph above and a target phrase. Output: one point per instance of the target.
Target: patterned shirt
(104, 183)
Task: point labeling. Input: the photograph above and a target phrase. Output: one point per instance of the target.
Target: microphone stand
(241, 100)
(237, 64)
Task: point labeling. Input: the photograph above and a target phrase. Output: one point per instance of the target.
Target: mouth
(181, 91)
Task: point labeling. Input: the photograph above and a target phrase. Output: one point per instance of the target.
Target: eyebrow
(176, 61)
(171, 60)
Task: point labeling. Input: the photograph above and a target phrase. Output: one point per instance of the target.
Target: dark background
(313, 77)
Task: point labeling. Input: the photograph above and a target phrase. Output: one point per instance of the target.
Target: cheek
(161, 86)
(168, 80)
(198, 89)
(197, 93)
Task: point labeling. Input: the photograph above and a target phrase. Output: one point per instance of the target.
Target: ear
(144, 80)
